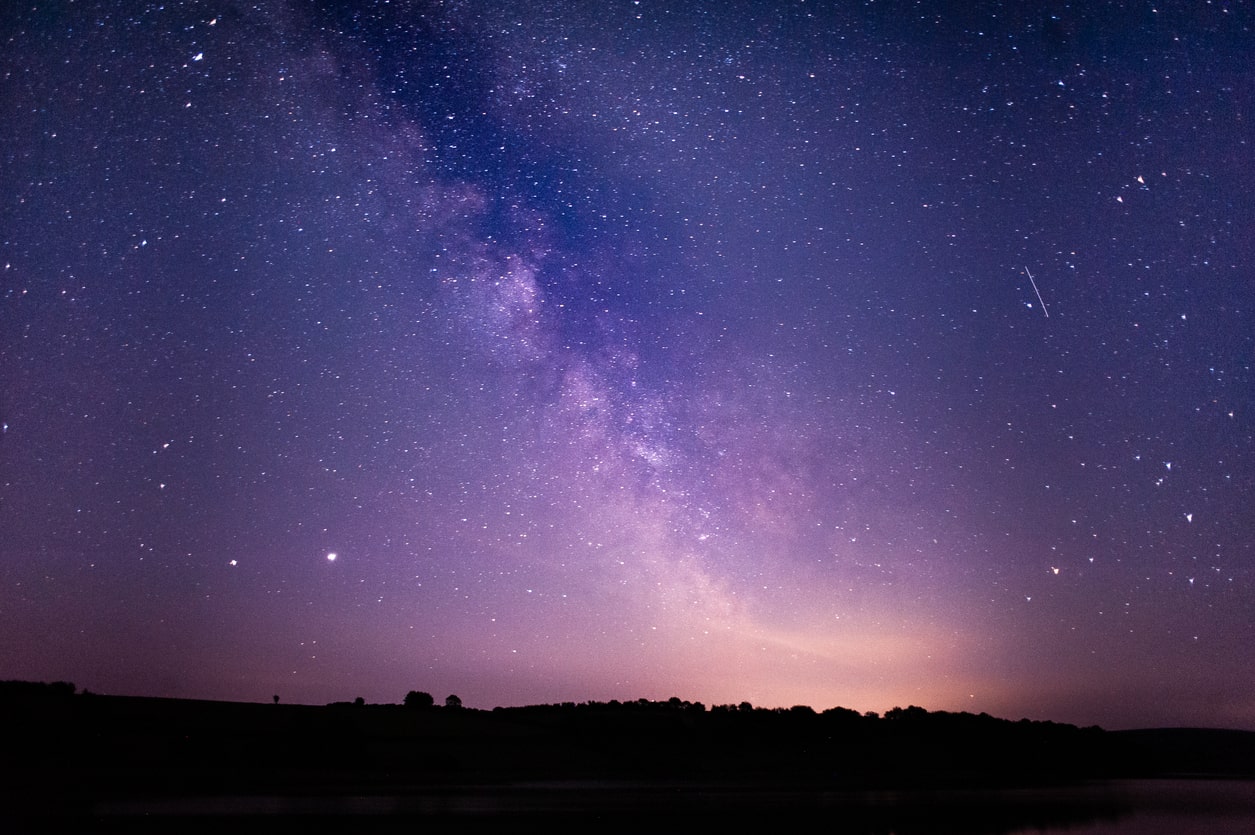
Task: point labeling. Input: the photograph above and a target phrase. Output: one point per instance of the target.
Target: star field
(826, 353)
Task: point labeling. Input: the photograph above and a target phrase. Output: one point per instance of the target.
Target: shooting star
(1038, 292)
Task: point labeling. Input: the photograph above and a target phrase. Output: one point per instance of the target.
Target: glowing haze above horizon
(558, 351)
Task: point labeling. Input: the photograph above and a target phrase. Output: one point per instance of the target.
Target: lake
(1126, 807)
(1169, 807)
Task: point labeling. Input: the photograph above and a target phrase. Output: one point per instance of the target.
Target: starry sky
(827, 353)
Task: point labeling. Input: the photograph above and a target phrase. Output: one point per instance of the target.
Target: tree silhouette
(452, 701)
(419, 700)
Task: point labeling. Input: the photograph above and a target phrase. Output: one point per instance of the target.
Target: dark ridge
(78, 756)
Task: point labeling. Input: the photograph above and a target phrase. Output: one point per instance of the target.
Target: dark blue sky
(633, 349)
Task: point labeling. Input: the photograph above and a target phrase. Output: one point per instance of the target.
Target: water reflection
(1170, 807)
(1117, 808)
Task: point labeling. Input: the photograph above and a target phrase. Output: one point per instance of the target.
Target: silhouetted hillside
(1192, 751)
(80, 752)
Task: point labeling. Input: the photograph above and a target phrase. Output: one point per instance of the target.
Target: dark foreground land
(90, 762)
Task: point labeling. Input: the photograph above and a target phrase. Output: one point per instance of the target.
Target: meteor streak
(1038, 292)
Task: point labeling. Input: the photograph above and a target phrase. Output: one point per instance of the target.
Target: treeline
(840, 745)
(424, 741)
(71, 754)
(678, 739)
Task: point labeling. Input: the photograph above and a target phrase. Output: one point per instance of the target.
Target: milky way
(837, 354)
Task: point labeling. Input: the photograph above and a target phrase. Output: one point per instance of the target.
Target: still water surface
(1168, 807)
(1141, 807)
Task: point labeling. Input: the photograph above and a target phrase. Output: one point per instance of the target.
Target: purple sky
(632, 349)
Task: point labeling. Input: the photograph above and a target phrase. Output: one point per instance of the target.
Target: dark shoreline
(73, 758)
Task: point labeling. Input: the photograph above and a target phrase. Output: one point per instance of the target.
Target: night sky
(563, 351)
